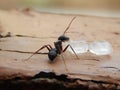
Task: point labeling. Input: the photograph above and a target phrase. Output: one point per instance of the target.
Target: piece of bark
(30, 30)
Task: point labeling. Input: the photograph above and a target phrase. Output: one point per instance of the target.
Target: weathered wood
(30, 30)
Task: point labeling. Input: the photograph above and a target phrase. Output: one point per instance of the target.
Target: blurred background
(107, 8)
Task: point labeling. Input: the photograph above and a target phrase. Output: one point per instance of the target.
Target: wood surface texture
(30, 30)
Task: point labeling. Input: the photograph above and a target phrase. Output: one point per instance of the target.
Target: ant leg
(64, 62)
(45, 46)
(71, 49)
(49, 46)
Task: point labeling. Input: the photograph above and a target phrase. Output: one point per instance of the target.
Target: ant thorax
(58, 46)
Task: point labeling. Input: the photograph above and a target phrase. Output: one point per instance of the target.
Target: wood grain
(30, 30)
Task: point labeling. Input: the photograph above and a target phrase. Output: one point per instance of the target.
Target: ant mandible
(58, 49)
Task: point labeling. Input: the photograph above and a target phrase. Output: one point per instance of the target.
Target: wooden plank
(30, 30)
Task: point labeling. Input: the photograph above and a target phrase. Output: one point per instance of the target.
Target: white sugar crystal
(79, 46)
(100, 48)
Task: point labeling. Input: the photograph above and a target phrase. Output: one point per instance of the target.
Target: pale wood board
(39, 29)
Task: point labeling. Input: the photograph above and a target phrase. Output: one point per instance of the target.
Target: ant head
(63, 38)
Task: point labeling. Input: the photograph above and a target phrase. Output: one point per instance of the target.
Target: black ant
(58, 49)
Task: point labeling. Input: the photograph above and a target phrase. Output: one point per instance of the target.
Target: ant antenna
(69, 25)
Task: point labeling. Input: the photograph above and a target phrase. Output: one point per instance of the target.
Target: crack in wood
(98, 81)
(5, 36)
(92, 59)
(18, 35)
(112, 68)
(22, 51)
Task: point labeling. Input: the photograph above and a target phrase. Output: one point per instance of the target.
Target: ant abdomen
(52, 54)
